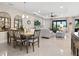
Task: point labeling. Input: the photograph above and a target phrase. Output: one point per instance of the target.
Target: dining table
(27, 34)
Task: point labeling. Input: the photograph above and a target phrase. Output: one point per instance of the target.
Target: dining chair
(10, 36)
(20, 40)
(35, 38)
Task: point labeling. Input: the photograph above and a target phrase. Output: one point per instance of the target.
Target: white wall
(13, 12)
(47, 23)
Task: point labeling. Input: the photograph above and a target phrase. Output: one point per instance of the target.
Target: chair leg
(14, 44)
(38, 43)
(74, 50)
(21, 44)
(27, 47)
(77, 51)
(29, 44)
(8, 38)
(33, 46)
(10, 41)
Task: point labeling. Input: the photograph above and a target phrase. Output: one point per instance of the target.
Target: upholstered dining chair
(10, 36)
(19, 40)
(35, 38)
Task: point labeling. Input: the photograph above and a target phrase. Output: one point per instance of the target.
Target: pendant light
(23, 16)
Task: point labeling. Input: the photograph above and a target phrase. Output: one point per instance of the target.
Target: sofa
(60, 34)
(46, 33)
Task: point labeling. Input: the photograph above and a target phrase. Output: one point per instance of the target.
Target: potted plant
(55, 29)
(37, 24)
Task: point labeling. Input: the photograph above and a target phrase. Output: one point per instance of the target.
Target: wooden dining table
(27, 33)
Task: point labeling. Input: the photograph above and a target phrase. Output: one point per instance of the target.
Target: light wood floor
(48, 47)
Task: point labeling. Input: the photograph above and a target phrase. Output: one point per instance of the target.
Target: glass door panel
(64, 24)
(58, 24)
(54, 27)
(76, 25)
(54, 24)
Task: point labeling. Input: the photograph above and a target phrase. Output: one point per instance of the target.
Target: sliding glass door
(56, 24)
(76, 25)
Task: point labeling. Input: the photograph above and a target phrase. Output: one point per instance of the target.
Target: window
(17, 22)
(76, 24)
(56, 24)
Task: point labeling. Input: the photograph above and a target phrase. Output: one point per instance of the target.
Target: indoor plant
(37, 24)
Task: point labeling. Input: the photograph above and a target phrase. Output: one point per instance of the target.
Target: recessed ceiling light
(38, 11)
(61, 6)
(11, 4)
(26, 16)
(51, 9)
(23, 16)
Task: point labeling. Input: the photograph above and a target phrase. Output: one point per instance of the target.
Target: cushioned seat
(35, 40)
(47, 33)
(60, 34)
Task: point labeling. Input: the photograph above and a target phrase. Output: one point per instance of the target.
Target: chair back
(10, 33)
(37, 33)
(32, 30)
(17, 34)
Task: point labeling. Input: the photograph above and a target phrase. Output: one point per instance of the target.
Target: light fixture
(61, 6)
(11, 4)
(26, 16)
(52, 14)
(23, 16)
(38, 11)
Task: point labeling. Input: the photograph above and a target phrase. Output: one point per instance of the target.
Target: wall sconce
(70, 23)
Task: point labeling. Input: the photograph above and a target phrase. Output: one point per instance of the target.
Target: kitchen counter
(3, 36)
(74, 39)
(76, 33)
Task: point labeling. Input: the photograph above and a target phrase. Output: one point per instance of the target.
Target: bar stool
(77, 48)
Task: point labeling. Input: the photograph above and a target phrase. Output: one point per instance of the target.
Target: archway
(18, 22)
(5, 21)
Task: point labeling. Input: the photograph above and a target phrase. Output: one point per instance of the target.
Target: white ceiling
(45, 8)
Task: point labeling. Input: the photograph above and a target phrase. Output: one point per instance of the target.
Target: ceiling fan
(53, 15)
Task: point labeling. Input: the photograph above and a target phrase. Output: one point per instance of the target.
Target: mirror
(5, 21)
(17, 22)
(28, 22)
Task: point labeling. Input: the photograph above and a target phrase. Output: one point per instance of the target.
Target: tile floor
(48, 47)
